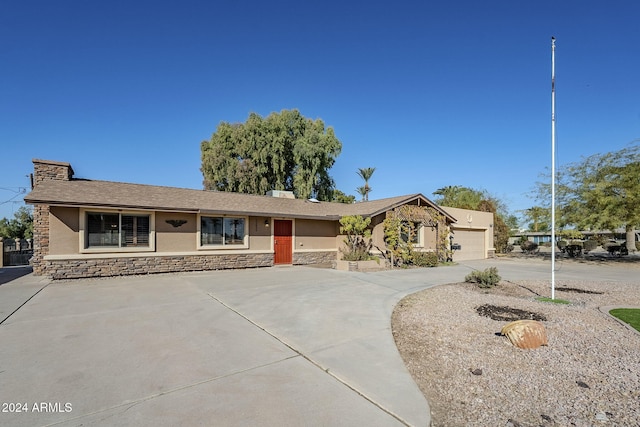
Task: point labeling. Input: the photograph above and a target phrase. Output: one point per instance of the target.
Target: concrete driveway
(275, 346)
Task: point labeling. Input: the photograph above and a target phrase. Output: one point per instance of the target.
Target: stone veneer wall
(44, 170)
(40, 238)
(47, 170)
(124, 266)
(324, 257)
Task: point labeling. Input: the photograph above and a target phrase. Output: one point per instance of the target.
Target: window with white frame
(222, 231)
(117, 230)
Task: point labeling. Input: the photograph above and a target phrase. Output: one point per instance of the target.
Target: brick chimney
(44, 170)
(49, 170)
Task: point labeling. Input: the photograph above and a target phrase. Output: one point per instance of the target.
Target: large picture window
(221, 231)
(117, 230)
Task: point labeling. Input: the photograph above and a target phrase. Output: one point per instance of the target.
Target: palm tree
(365, 174)
(363, 191)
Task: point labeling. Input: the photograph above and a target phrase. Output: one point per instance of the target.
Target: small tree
(358, 237)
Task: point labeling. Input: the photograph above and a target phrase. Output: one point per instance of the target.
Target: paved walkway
(274, 346)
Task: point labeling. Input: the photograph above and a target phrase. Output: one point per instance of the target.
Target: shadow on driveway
(7, 274)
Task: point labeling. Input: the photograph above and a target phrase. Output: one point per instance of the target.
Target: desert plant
(484, 279)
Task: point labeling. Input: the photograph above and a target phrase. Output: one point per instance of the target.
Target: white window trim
(82, 233)
(245, 240)
(419, 236)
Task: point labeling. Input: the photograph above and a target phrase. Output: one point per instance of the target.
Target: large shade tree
(600, 192)
(538, 217)
(284, 151)
(20, 226)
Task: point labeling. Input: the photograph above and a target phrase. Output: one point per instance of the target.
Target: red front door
(282, 231)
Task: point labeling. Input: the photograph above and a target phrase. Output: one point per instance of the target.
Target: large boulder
(527, 334)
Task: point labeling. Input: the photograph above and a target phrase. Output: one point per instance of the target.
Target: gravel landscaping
(588, 375)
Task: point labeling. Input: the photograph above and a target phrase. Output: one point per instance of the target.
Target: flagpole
(553, 167)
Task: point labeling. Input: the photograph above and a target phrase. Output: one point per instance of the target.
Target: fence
(16, 251)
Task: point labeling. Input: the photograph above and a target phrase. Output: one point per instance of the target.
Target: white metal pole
(553, 167)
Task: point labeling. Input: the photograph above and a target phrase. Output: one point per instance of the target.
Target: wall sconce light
(266, 223)
(176, 222)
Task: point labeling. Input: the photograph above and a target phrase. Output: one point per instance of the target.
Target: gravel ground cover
(588, 375)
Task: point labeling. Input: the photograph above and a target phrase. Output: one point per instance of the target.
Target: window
(117, 230)
(221, 231)
(410, 232)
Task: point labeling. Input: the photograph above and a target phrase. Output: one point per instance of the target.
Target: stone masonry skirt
(123, 266)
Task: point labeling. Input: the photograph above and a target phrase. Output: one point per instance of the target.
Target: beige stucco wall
(315, 235)
(428, 237)
(474, 220)
(309, 234)
(175, 239)
(64, 230)
(259, 233)
(377, 233)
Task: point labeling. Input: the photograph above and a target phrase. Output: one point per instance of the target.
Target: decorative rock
(601, 416)
(528, 334)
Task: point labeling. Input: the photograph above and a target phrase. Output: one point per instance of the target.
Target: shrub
(484, 279)
(528, 246)
(425, 259)
(637, 246)
(508, 249)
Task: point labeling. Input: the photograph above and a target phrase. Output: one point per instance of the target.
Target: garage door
(471, 243)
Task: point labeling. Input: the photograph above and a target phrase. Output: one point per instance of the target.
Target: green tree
(340, 197)
(365, 174)
(539, 218)
(600, 192)
(456, 196)
(21, 225)
(284, 151)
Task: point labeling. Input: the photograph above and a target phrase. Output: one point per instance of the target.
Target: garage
(472, 244)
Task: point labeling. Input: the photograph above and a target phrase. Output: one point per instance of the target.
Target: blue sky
(429, 93)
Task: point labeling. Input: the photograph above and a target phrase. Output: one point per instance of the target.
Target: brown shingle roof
(88, 193)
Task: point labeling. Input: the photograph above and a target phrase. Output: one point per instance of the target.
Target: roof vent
(281, 193)
(312, 200)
